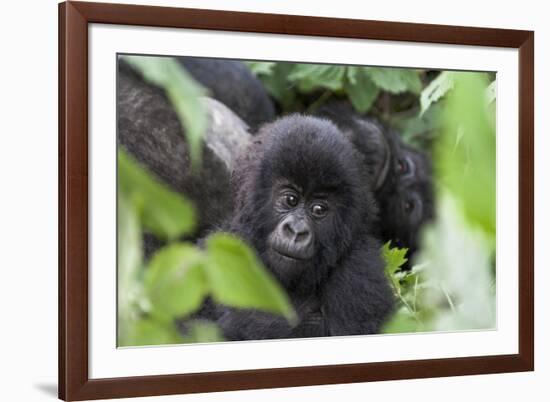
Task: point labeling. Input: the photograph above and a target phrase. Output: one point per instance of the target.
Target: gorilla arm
(356, 300)
(357, 297)
(241, 324)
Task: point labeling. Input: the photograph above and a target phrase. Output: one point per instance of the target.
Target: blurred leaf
(129, 235)
(315, 76)
(175, 281)
(261, 67)
(279, 87)
(237, 277)
(436, 90)
(167, 214)
(460, 271)
(466, 154)
(395, 80)
(418, 130)
(184, 93)
(129, 263)
(361, 90)
(402, 321)
(202, 331)
(491, 92)
(152, 332)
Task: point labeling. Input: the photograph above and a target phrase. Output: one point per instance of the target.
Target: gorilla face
(303, 197)
(304, 226)
(408, 196)
(401, 176)
(303, 201)
(294, 236)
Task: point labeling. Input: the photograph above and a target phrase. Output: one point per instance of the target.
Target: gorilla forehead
(310, 152)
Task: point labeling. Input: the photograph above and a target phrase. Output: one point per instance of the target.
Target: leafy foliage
(405, 287)
(362, 85)
(469, 170)
(154, 295)
(275, 78)
(436, 90)
(451, 282)
(361, 89)
(395, 80)
(313, 76)
(451, 286)
(393, 257)
(179, 276)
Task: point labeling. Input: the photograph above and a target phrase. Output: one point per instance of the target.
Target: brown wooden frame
(74, 17)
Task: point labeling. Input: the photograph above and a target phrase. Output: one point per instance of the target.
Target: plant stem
(319, 101)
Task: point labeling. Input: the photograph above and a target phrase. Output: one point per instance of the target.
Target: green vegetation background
(451, 286)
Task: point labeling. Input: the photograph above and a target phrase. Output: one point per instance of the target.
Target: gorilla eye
(291, 200)
(319, 210)
(402, 166)
(408, 206)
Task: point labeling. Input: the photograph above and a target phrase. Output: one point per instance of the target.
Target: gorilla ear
(379, 149)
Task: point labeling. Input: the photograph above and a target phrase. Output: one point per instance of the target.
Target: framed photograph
(260, 200)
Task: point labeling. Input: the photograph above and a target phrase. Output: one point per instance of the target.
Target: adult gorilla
(232, 83)
(304, 203)
(402, 176)
(149, 129)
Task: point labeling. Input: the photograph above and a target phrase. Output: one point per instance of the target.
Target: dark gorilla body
(401, 175)
(304, 204)
(150, 131)
(232, 83)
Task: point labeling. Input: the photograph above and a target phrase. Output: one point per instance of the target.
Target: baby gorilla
(305, 205)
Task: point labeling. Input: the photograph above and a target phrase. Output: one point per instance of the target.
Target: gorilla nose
(298, 231)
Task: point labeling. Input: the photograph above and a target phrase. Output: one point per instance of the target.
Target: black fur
(233, 84)
(149, 129)
(402, 175)
(342, 289)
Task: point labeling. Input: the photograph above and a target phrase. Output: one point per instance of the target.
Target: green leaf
(167, 214)
(261, 67)
(184, 93)
(436, 90)
(129, 265)
(360, 89)
(418, 130)
(460, 271)
(278, 86)
(129, 237)
(152, 332)
(491, 92)
(201, 331)
(403, 321)
(394, 257)
(395, 80)
(237, 278)
(175, 282)
(315, 76)
(466, 155)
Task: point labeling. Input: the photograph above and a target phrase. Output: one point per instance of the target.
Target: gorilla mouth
(291, 255)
